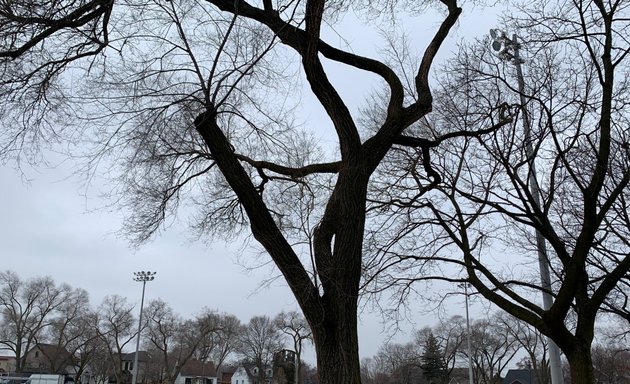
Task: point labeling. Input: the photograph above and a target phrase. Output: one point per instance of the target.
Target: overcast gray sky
(49, 228)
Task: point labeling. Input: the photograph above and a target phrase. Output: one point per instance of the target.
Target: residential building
(127, 360)
(7, 364)
(197, 372)
(520, 376)
(48, 358)
(224, 375)
(249, 374)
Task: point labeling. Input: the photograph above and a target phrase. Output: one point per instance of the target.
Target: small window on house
(188, 380)
(36, 353)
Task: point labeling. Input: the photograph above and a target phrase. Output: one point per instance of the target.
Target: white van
(37, 378)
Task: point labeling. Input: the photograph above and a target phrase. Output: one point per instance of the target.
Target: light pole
(508, 49)
(470, 368)
(143, 277)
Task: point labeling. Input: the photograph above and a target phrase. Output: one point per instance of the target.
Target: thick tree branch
(292, 172)
(263, 226)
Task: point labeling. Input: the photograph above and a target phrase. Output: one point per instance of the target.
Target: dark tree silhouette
(559, 174)
(188, 99)
(433, 365)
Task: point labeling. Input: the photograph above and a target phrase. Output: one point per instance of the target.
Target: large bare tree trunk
(337, 347)
(331, 309)
(581, 365)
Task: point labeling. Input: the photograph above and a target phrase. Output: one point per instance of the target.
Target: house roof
(520, 376)
(52, 350)
(250, 370)
(198, 368)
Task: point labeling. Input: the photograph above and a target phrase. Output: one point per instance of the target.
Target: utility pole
(142, 277)
(470, 366)
(508, 49)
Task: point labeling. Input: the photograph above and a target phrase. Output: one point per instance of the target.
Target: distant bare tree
(177, 340)
(116, 329)
(27, 308)
(611, 363)
(221, 343)
(295, 326)
(493, 350)
(401, 362)
(260, 341)
(529, 340)
(369, 371)
(450, 335)
(70, 330)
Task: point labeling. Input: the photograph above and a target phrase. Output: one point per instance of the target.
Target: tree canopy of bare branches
(560, 171)
(192, 102)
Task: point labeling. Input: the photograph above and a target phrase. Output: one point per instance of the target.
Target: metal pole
(470, 368)
(543, 260)
(469, 346)
(142, 277)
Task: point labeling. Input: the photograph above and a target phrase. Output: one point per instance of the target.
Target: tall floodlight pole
(470, 366)
(508, 49)
(142, 277)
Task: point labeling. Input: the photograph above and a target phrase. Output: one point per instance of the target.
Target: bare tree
(610, 363)
(295, 326)
(260, 341)
(69, 329)
(493, 349)
(401, 362)
(369, 371)
(529, 340)
(450, 335)
(560, 172)
(28, 308)
(189, 98)
(116, 329)
(177, 340)
(88, 347)
(163, 333)
(225, 340)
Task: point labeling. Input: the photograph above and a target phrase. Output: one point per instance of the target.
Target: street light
(508, 49)
(470, 369)
(143, 277)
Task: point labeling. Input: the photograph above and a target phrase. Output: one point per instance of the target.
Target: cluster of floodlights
(504, 47)
(144, 276)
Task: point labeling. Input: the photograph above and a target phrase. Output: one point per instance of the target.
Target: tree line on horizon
(498, 342)
(39, 311)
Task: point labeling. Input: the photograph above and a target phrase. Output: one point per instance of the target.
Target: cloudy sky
(49, 227)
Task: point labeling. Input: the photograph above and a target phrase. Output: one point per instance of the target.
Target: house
(197, 372)
(225, 374)
(49, 358)
(249, 374)
(520, 376)
(7, 364)
(127, 360)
